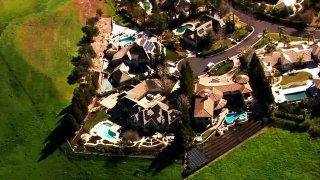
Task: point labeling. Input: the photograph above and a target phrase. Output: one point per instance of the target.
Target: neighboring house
(208, 23)
(288, 59)
(156, 117)
(314, 89)
(144, 108)
(217, 22)
(132, 55)
(182, 6)
(316, 52)
(120, 74)
(151, 45)
(210, 97)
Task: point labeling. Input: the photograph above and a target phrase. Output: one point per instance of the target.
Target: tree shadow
(113, 161)
(58, 136)
(63, 112)
(163, 160)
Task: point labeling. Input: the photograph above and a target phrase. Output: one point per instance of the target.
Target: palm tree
(265, 34)
(310, 36)
(286, 41)
(300, 59)
(282, 31)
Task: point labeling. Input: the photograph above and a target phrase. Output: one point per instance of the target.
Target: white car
(210, 65)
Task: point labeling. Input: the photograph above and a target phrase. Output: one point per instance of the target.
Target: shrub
(284, 124)
(288, 116)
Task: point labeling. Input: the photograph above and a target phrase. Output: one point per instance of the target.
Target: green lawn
(38, 39)
(99, 116)
(119, 20)
(275, 37)
(221, 45)
(111, 10)
(172, 56)
(296, 77)
(275, 154)
(221, 68)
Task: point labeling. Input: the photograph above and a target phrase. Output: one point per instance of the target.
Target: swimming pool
(104, 131)
(183, 28)
(296, 96)
(127, 40)
(106, 86)
(232, 117)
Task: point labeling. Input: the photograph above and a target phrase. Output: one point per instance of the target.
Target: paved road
(198, 64)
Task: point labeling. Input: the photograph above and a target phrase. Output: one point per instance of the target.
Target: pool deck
(280, 97)
(92, 131)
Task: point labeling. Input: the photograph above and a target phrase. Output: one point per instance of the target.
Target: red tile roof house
(210, 98)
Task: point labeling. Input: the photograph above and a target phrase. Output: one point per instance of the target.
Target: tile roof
(316, 83)
(288, 56)
(316, 49)
(140, 90)
(204, 107)
(121, 53)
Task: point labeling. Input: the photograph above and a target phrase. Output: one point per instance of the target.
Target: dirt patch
(100, 42)
(87, 8)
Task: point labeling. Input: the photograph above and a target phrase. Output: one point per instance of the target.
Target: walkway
(199, 64)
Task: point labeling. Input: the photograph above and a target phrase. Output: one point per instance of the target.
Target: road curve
(198, 64)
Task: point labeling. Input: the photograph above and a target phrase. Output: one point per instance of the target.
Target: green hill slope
(37, 41)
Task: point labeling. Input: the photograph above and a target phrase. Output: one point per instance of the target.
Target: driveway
(198, 64)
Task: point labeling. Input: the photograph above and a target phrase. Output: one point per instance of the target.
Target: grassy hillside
(275, 154)
(38, 39)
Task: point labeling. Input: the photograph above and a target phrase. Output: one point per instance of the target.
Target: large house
(207, 24)
(210, 97)
(182, 6)
(287, 59)
(120, 75)
(132, 55)
(315, 53)
(144, 107)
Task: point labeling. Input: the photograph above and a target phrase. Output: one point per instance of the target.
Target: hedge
(284, 124)
(288, 116)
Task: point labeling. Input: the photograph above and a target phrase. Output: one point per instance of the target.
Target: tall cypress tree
(260, 85)
(187, 80)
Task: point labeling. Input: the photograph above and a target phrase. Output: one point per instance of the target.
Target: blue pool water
(127, 40)
(243, 116)
(181, 29)
(106, 86)
(296, 96)
(104, 131)
(232, 117)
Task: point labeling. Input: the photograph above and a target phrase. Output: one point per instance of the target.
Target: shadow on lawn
(58, 136)
(163, 160)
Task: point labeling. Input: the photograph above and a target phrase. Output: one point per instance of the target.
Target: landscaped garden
(171, 55)
(275, 37)
(274, 154)
(222, 68)
(242, 30)
(299, 77)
